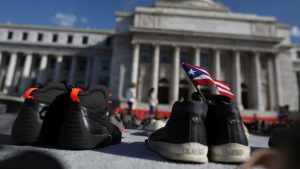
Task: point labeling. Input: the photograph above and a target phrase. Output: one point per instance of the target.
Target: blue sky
(101, 13)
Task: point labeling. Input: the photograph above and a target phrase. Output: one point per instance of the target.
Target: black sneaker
(86, 123)
(28, 125)
(225, 131)
(184, 136)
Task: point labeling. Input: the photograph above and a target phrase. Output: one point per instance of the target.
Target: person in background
(131, 97)
(152, 103)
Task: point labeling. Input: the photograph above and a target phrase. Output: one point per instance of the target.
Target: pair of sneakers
(70, 118)
(197, 130)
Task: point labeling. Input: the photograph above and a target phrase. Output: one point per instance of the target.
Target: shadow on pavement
(134, 150)
(138, 133)
(32, 160)
(5, 139)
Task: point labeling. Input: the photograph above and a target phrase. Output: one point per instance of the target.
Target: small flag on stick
(200, 76)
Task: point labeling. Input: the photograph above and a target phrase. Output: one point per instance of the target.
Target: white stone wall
(120, 73)
(203, 25)
(94, 38)
(289, 88)
(284, 32)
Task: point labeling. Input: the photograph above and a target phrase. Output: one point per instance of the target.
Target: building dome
(210, 4)
(194, 2)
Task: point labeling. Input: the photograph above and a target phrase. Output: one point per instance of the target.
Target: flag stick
(199, 92)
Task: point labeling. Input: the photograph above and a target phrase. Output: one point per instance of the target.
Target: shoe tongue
(49, 92)
(94, 97)
(53, 86)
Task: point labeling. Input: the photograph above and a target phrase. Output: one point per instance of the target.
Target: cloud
(295, 31)
(84, 20)
(68, 20)
(64, 19)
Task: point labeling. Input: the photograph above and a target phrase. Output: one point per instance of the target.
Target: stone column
(26, 73)
(1, 71)
(258, 85)
(43, 69)
(88, 71)
(0, 60)
(155, 69)
(197, 56)
(196, 62)
(271, 83)
(276, 63)
(10, 73)
(58, 67)
(174, 89)
(237, 78)
(73, 70)
(217, 65)
(135, 63)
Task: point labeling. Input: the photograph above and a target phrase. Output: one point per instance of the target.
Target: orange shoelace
(74, 95)
(28, 92)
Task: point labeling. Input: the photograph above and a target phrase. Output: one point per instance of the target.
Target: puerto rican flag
(200, 76)
(223, 89)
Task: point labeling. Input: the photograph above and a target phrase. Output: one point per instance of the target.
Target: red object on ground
(141, 114)
(251, 119)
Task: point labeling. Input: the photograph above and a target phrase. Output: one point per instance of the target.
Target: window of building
(204, 60)
(85, 40)
(25, 36)
(6, 62)
(52, 63)
(298, 54)
(105, 65)
(37, 62)
(22, 61)
(165, 56)
(82, 65)
(67, 64)
(10, 35)
(184, 57)
(54, 38)
(70, 39)
(40, 37)
(225, 62)
(145, 55)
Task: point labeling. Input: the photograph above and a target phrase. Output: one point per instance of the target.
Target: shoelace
(28, 92)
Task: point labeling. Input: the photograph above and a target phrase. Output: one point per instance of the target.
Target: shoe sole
(229, 153)
(75, 136)
(27, 126)
(187, 152)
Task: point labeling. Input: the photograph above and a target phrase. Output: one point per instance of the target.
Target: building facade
(253, 54)
(32, 54)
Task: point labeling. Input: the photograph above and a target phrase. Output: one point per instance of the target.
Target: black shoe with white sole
(27, 128)
(225, 132)
(184, 136)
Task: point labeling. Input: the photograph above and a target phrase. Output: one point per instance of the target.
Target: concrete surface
(130, 154)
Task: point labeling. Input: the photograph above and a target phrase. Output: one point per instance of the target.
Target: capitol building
(252, 53)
